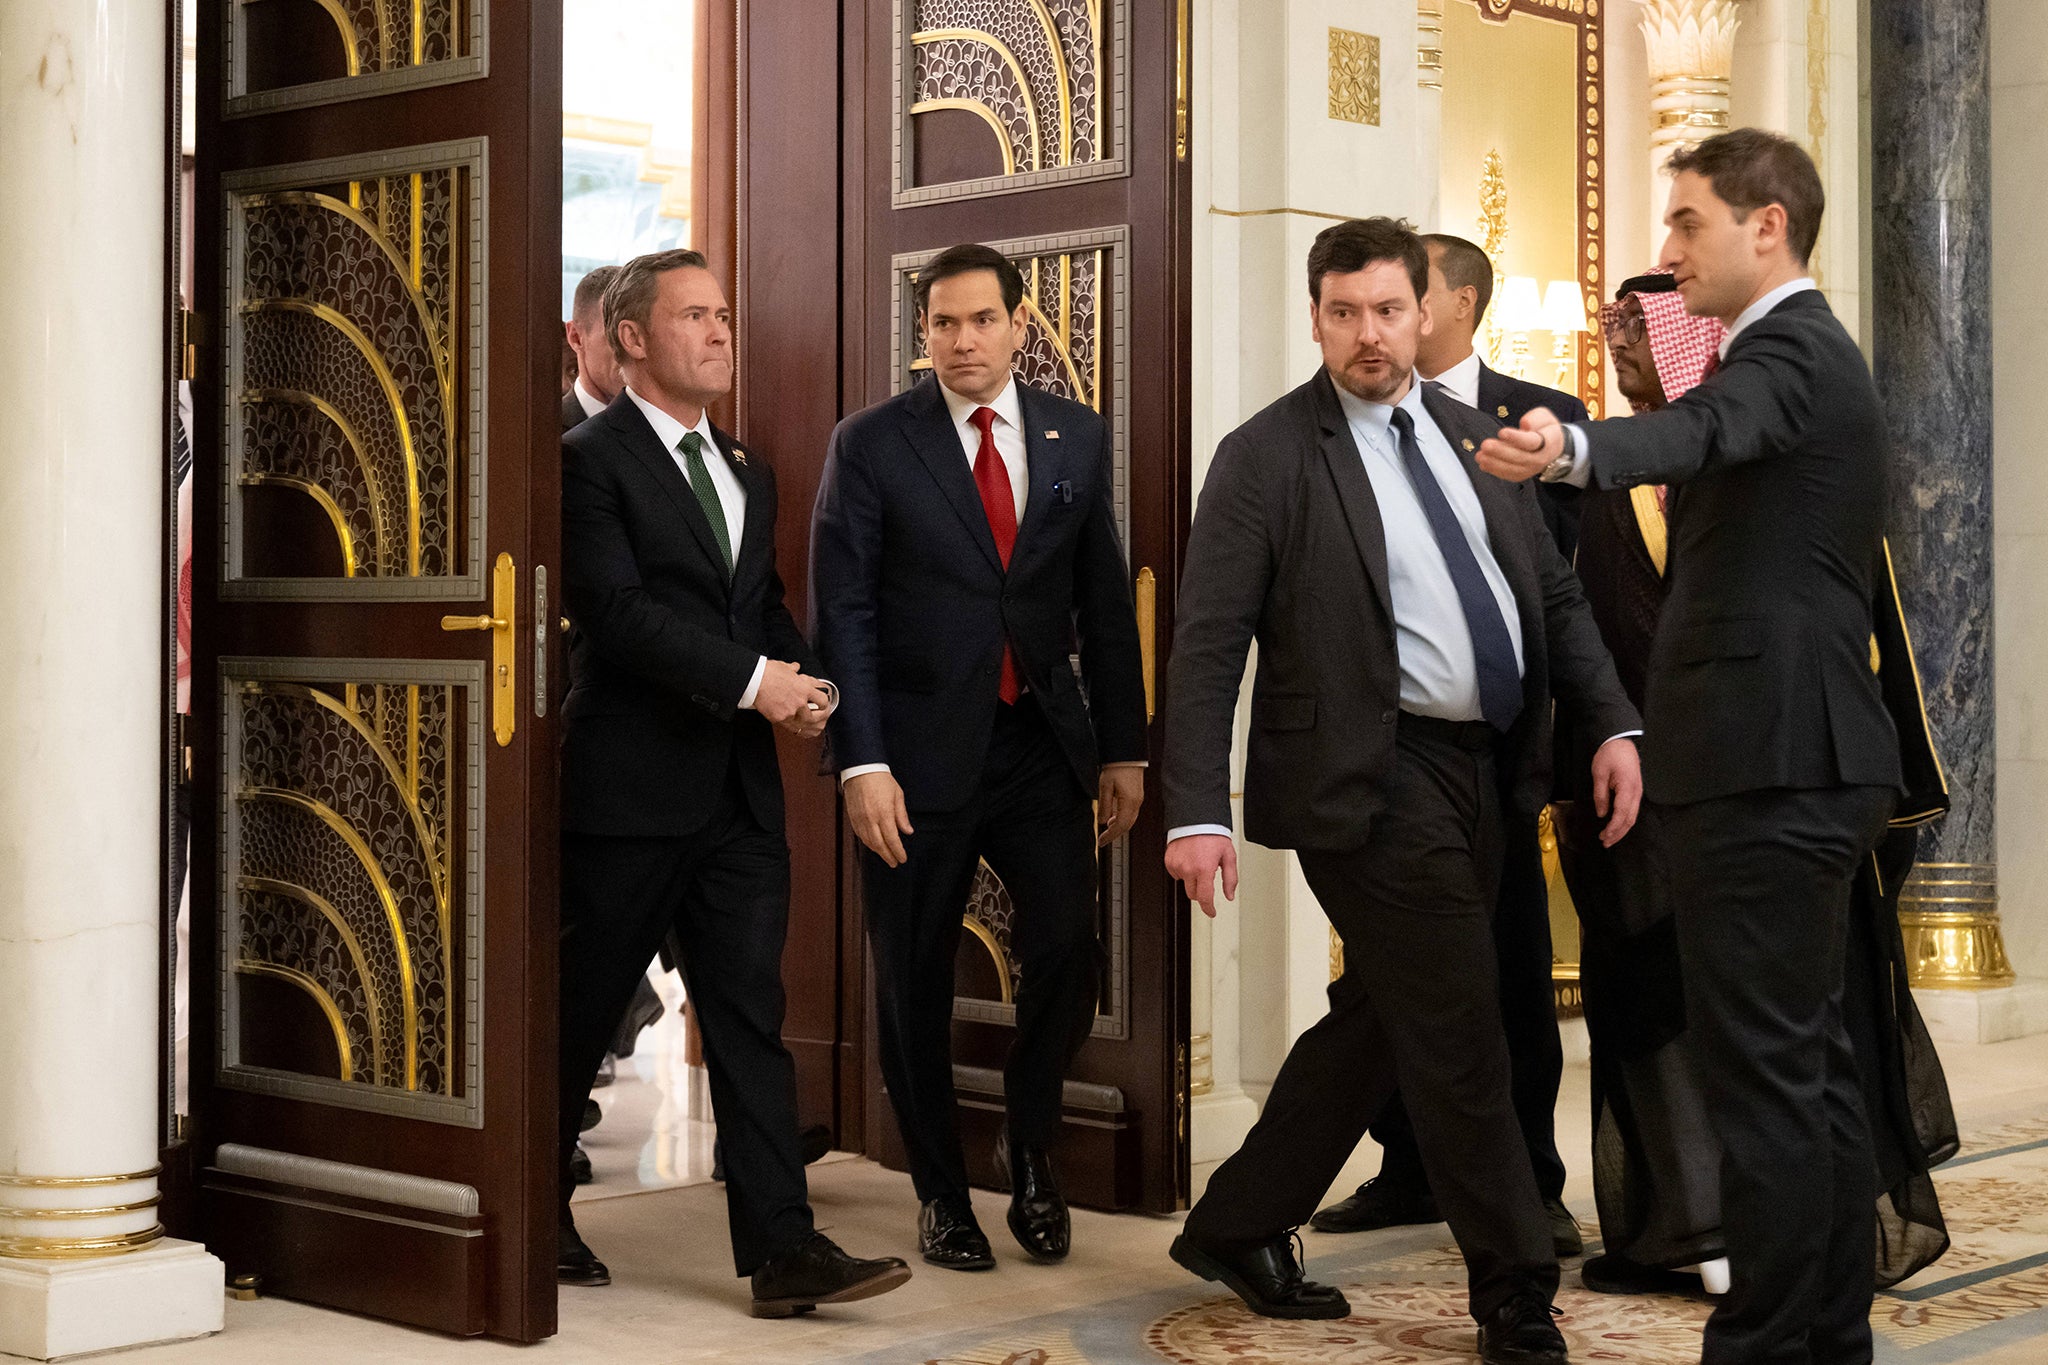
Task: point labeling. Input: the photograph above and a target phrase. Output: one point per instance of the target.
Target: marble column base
(1993, 1015)
(169, 1291)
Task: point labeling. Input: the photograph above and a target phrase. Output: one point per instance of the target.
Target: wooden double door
(377, 650)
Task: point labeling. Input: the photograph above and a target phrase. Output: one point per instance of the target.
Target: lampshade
(1521, 310)
(1564, 309)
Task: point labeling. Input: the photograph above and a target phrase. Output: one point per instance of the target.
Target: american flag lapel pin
(1052, 435)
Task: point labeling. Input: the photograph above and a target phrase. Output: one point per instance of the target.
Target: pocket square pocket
(1063, 491)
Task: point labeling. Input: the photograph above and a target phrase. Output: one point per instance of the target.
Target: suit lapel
(638, 437)
(1354, 490)
(753, 527)
(1493, 399)
(1042, 467)
(928, 426)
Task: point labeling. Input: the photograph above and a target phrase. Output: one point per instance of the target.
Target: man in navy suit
(964, 554)
(685, 659)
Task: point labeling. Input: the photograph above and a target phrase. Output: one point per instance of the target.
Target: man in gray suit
(1414, 620)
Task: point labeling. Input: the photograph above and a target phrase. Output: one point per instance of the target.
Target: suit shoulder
(1526, 394)
(1064, 410)
(858, 429)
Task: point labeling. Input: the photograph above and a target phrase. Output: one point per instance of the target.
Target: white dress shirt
(1439, 670)
(591, 406)
(1461, 381)
(1008, 431)
(1581, 472)
(732, 495)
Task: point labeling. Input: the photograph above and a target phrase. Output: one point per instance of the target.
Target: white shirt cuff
(1184, 831)
(859, 768)
(754, 684)
(1625, 734)
(1581, 472)
(1129, 763)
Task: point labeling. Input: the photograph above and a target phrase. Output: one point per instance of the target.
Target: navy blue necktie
(1500, 678)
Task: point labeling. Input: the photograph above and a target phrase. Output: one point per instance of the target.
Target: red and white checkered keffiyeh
(1680, 344)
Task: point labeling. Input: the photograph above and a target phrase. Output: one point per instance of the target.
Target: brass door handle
(504, 587)
(1147, 604)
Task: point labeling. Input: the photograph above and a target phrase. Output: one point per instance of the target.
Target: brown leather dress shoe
(816, 1271)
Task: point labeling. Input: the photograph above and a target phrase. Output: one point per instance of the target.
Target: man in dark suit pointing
(1414, 622)
(1771, 757)
(685, 657)
(964, 553)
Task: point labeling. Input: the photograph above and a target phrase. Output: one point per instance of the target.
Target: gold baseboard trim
(78, 1248)
(1954, 949)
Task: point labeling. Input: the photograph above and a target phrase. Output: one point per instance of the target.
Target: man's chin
(1378, 385)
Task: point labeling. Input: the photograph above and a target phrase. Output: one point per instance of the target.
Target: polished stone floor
(1118, 1299)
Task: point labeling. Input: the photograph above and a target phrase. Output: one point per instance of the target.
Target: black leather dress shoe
(948, 1236)
(1377, 1204)
(593, 1115)
(1614, 1273)
(1565, 1237)
(1038, 1212)
(816, 1271)
(1267, 1277)
(579, 1166)
(574, 1263)
(1522, 1331)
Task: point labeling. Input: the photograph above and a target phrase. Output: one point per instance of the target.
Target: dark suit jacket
(1507, 399)
(1287, 547)
(572, 411)
(1760, 672)
(664, 644)
(911, 603)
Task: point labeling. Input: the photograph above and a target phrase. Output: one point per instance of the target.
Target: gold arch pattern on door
(344, 868)
(354, 376)
(1037, 72)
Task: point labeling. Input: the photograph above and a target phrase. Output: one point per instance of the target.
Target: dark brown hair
(630, 295)
(1465, 266)
(1750, 168)
(1359, 242)
(965, 259)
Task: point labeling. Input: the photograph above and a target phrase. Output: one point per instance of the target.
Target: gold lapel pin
(1052, 436)
(1501, 411)
(739, 457)
(1467, 443)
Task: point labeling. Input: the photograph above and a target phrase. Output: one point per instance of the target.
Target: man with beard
(1413, 622)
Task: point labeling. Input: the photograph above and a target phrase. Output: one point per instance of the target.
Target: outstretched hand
(1519, 453)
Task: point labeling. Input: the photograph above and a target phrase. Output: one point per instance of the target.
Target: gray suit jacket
(1287, 548)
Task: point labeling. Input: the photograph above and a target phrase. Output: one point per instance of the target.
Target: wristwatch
(1562, 465)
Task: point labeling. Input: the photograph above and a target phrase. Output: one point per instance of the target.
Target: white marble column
(83, 151)
(1429, 106)
(1691, 46)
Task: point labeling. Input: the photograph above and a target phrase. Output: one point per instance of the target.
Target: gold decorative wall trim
(318, 995)
(473, 62)
(1429, 44)
(1268, 213)
(1354, 77)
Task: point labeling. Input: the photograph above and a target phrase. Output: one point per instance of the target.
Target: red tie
(1000, 503)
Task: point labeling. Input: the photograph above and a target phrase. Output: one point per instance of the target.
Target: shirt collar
(667, 429)
(1008, 407)
(591, 404)
(1377, 417)
(1462, 380)
(1763, 306)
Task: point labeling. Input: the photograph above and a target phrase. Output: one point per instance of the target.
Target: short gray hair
(630, 296)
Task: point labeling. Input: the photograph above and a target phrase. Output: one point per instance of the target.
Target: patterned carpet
(1988, 1298)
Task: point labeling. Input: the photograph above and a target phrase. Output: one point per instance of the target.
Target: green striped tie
(707, 495)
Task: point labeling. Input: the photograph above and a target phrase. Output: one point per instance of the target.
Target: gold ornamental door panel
(350, 887)
(353, 394)
(1076, 292)
(282, 53)
(996, 96)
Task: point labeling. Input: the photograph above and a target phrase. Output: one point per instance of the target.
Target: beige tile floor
(674, 1298)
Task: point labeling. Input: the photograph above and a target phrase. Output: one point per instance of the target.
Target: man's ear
(632, 341)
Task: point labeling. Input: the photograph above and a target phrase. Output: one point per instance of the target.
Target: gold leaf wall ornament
(1032, 69)
(1354, 77)
(1493, 237)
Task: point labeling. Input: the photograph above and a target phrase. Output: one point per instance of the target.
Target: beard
(1382, 386)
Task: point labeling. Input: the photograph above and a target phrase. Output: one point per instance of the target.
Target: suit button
(1386, 717)
(704, 701)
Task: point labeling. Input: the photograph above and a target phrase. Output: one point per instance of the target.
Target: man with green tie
(684, 660)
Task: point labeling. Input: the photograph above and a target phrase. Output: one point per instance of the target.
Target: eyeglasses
(1626, 330)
